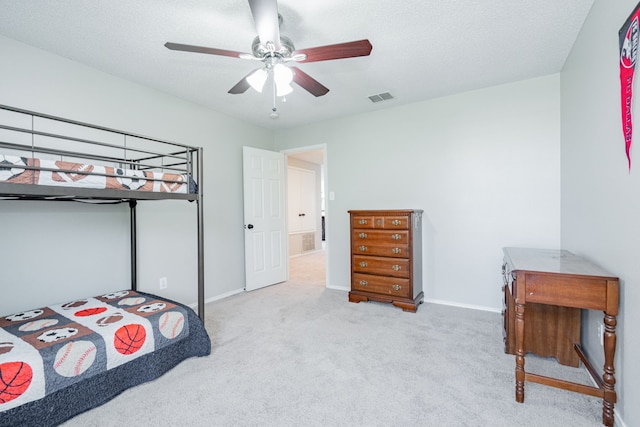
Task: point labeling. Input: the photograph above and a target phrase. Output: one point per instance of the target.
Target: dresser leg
(357, 298)
(519, 352)
(608, 376)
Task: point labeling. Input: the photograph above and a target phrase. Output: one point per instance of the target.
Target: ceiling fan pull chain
(274, 111)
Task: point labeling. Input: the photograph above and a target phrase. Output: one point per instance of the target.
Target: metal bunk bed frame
(183, 158)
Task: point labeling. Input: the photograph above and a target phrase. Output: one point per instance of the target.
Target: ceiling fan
(276, 51)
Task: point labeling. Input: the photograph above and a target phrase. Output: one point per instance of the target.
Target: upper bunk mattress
(24, 170)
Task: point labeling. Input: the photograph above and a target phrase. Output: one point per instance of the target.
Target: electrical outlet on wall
(163, 283)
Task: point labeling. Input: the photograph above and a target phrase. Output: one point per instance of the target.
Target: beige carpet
(297, 354)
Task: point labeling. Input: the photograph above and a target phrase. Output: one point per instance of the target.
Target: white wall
(600, 196)
(39, 81)
(484, 166)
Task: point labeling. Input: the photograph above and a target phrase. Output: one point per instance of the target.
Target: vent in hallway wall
(308, 242)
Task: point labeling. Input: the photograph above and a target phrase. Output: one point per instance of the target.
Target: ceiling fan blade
(336, 51)
(265, 16)
(241, 86)
(308, 83)
(201, 49)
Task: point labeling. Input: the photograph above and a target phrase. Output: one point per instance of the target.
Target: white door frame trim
(325, 179)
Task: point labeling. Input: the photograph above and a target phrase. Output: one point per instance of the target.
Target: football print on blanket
(5, 347)
(77, 172)
(108, 320)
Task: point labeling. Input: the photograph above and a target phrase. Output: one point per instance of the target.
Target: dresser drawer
(395, 267)
(381, 222)
(381, 285)
(395, 251)
(395, 222)
(362, 221)
(375, 237)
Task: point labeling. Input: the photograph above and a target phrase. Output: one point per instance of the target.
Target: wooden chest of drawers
(386, 257)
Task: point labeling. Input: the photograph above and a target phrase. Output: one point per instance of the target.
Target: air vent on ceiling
(385, 96)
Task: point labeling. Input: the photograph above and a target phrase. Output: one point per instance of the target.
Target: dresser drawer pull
(362, 248)
(396, 250)
(379, 222)
(363, 263)
(396, 236)
(362, 235)
(362, 222)
(396, 222)
(396, 267)
(363, 283)
(396, 287)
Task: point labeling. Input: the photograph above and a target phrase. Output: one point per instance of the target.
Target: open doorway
(306, 209)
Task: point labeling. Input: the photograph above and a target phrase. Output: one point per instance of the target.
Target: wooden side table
(560, 278)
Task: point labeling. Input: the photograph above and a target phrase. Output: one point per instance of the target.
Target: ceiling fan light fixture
(257, 79)
(283, 76)
(283, 89)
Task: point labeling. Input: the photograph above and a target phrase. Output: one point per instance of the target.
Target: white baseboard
(455, 304)
(338, 288)
(217, 298)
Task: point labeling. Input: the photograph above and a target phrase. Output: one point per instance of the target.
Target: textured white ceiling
(422, 49)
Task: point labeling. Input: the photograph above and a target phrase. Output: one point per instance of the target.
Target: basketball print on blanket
(128, 339)
(15, 379)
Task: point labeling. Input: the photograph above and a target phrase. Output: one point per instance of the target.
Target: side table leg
(519, 312)
(608, 376)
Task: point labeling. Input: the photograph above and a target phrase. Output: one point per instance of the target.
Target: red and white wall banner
(628, 42)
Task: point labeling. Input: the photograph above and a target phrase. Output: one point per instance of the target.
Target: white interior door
(302, 200)
(265, 232)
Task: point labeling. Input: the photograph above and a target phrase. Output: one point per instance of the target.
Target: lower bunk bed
(59, 361)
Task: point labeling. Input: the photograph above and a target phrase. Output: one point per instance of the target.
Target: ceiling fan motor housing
(261, 51)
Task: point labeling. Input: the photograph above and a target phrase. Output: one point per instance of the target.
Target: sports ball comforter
(60, 360)
(14, 169)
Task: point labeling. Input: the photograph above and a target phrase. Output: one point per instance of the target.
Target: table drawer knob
(363, 263)
(362, 248)
(396, 236)
(396, 267)
(396, 287)
(363, 283)
(362, 235)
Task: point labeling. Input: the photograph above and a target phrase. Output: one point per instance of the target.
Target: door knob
(250, 226)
